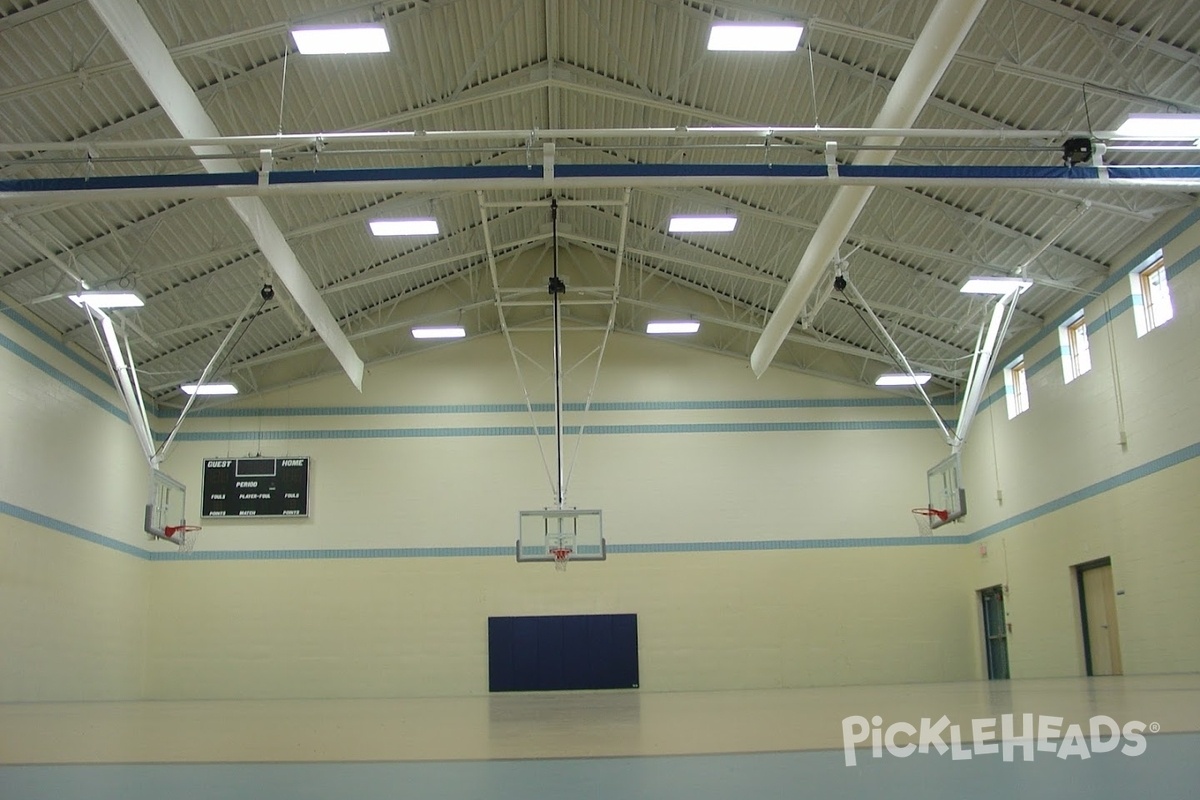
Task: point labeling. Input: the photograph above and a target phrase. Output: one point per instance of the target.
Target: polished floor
(567, 725)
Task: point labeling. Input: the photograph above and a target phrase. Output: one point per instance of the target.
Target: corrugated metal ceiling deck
(537, 65)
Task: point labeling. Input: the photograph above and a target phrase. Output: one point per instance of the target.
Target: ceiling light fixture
(96, 298)
(673, 326)
(755, 37)
(209, 388)
(1000, 286)
(722, 223)
(444, 332)
(404, 227)
(903, 379)
(1161, 127)
(323, 40)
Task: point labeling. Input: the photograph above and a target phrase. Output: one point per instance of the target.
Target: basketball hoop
(182, 535)
(561, 556)
(924, 517)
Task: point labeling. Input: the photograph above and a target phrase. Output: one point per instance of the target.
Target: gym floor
(628, 743)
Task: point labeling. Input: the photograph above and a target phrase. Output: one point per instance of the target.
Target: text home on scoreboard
(255, 487)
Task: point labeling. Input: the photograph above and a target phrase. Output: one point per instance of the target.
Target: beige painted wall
(72, 612)
(1068, 445)
(386, 474)
(260, 624)
(400, 627)
(264, 610)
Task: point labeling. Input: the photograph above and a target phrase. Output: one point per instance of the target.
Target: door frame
(1081, 597)
(983, 624)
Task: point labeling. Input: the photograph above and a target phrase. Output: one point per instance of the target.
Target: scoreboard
(255, 487)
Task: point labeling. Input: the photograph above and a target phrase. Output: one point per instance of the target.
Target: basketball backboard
(165, 509)
(946, 492)
(541, 532)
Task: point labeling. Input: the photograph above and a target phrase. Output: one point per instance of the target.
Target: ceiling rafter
(810, 336)
(36, 11)
(593, 83)
(214, 323)
(473, 259)
(872, 245)
(127, 22)
(191, 49)
(1126, 34)
(517, 60)
(1061, 80)
(482, 93)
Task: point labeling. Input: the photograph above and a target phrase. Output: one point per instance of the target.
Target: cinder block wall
(760, 529)
(1071, 492)
(73, 586)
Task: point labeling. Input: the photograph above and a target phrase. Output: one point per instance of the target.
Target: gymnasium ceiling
(484, 90)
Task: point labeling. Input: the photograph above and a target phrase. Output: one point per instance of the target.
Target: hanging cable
(216, 362)
(557, 287)
(812, 82)
(890, 346)
(267, 293)
(283, 86)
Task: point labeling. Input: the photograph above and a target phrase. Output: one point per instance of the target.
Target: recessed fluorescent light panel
(673, 326)
(1161, 127)
(755, 37)
(444, 332)
(404, 227)
(324, 40)
(105, 299)
(903, 379)
(1001, 286)
(209, 388)
(703, 224)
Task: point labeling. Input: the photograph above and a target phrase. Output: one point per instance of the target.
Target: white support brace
(132, 30)
(981, 366)
(944, 31)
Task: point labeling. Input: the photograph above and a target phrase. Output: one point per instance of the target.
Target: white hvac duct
(944, 32)
(130, 27)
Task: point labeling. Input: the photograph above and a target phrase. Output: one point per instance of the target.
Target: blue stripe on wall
(545, 430)
(1087, 492)
(514, 408)
(1124, 478)
(1096, 324)
(1052, 357)
(45, 337)
(61, 377)
(332, 553)
(1118, 275)
(50, 523)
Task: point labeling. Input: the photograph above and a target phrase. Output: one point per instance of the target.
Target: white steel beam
(131, 28)
(945, 30)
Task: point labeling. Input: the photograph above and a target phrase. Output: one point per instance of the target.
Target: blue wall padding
(546, 654)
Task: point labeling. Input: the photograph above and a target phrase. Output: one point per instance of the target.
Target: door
(995, 632)
(1098, 615)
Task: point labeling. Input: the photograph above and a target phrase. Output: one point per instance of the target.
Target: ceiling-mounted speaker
(1077, 151)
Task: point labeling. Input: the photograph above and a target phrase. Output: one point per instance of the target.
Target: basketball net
(184, 536)
(924, 517)
(561, 556)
